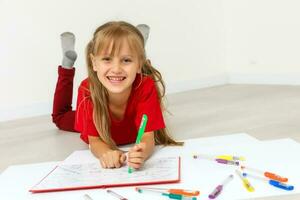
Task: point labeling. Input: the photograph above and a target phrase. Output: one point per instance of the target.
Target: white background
(194, 43)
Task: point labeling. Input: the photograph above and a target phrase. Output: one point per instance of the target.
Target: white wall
(262, 41)
(195, 43)
(185, 44)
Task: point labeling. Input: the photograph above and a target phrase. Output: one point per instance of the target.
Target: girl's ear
(92, 57)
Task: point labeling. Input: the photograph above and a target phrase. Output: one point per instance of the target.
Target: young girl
(121, 87)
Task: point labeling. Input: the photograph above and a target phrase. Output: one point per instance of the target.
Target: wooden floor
(265, 112)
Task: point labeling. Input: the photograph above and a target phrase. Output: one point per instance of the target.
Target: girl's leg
(63, 115)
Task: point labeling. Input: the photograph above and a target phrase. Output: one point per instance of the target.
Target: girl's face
(116, 72)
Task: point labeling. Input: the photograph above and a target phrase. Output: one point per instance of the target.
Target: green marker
(179, 196)
(140, 134)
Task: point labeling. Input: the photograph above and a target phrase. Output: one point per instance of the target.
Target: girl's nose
(116, 68)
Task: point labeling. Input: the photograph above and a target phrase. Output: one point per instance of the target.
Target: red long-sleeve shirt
(142, 100)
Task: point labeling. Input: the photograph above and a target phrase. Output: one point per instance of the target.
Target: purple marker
(220, 187)
(218, 160)
(228, 162)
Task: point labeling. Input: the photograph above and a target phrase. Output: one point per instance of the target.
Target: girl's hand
(137, 155)
(112, 159)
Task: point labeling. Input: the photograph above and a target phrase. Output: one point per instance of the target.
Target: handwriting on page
(91, 174)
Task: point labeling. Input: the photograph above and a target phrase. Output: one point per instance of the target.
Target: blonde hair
(116, 32)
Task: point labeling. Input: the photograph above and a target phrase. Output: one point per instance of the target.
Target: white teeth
(113, 78)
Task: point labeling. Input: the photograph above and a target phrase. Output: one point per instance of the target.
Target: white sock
(145, 30)
(69, 54)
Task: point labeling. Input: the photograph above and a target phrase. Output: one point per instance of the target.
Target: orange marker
(269, 175)
(184, 192)
(172, 191)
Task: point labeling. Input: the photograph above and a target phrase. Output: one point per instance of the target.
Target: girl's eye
(127, 60)
(106, 58)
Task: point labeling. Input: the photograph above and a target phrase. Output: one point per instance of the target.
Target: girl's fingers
(107, 160)
(116, 160)
(135, 155)
(135, 165)
(137, 147)
(122, 158)
(142, 145)
(112, 159)
(136, 160)
(103, 165)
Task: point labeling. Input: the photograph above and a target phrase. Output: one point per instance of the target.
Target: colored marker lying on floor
(87, 197)
(274, 183)
(116, 195)
(178, 196)
(231, 157)
(269, 175)
(220, 187)
(218, 160)
(227, 162)
(170, 195)
(245, 181)
(173, 191)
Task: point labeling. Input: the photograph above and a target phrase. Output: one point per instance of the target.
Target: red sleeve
(148, 103)
(84, 114)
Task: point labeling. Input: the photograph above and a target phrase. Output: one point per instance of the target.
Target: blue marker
(274, 183)
(280, 185)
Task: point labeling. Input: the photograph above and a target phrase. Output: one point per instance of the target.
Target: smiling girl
(121, 87)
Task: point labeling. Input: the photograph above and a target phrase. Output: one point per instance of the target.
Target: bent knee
(64, 122)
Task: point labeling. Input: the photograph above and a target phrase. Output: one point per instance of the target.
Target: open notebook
(88, 175)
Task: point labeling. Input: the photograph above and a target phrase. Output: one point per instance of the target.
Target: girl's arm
(142, 151)
(108, 158)
(97, 146)
(148, 139)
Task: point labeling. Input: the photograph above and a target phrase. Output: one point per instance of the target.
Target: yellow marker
(230, 157)
(245, 181)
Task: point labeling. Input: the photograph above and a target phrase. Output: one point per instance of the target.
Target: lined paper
(92, 174)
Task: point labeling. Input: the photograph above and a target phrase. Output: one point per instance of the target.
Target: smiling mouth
(116, 78)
